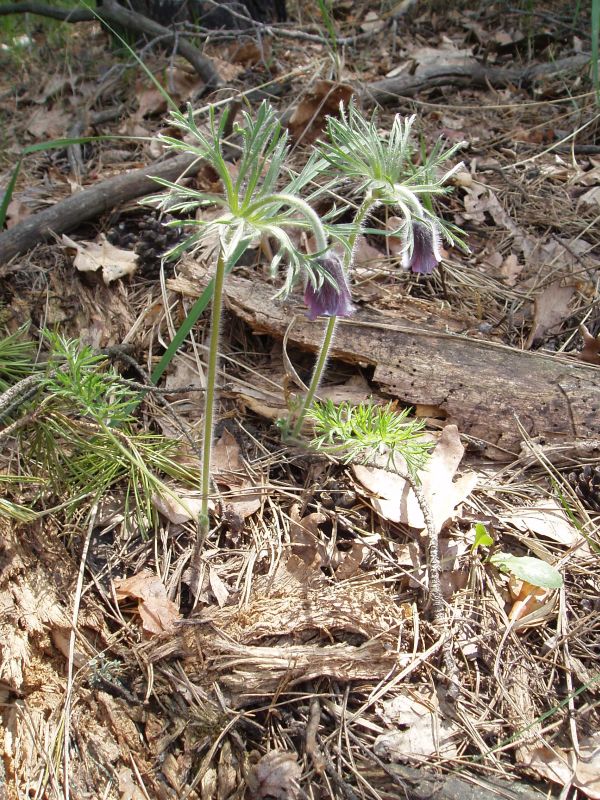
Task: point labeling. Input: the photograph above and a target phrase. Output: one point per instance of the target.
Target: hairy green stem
(366, 205)
(317, 373)
(211, 381)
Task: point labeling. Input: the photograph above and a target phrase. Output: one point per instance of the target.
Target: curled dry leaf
(244, 499)
(226, 458)
(590, 198)
(16, 212)
(275, 776)
(128, 788)
(590, 352)
(526, 598)
(421, 731)
(180, 507)
(510, 269)
(218, 588)
(93, 256)
(306, 538)
(563, 767)
(322, 100)
(546, 518)
(395, 499)
(587, 769)
(158, 613)
(551, 308)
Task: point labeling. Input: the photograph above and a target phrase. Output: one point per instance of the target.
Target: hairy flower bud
(330, 299)
(426, 253)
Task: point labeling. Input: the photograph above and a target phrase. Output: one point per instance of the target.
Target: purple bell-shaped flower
(329, 300)
(426, 253)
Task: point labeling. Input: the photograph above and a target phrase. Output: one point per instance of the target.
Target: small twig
(15, 426)
(159, 390)
(18, 394)
(435, 588)
(311, 747)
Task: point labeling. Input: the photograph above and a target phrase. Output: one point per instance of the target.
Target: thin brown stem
(436, 598)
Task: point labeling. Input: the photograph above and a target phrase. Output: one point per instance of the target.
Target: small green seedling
(525, 568)
(482, 538)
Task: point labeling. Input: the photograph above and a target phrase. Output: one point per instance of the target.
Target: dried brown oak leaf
(275, 776)
(158, 613)
(393, 498)
(308, 119)
(113, 262)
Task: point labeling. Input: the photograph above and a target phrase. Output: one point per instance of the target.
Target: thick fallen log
(90, 204)
(485, 388)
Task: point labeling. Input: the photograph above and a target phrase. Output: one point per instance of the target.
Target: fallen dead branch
(469, 74)
(89, 204)
(111, 12)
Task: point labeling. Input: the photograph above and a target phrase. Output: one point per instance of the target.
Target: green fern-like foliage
(79, 439)
(17, 355)
(363, 433)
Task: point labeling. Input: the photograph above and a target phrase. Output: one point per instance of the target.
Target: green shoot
(363, 433)
(251, 206)
(482, 538)
(596, 47)
(525, 568)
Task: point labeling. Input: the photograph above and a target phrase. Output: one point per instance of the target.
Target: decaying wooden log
(484, 387)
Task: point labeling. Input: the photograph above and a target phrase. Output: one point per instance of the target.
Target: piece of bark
(483, 387)
(90, 203)
(420, 782)
(469, 74)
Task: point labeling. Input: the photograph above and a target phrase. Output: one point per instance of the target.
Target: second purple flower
(332, 298)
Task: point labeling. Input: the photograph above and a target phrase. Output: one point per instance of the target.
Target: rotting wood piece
(418, 783)
(90, 204)
(482, 386)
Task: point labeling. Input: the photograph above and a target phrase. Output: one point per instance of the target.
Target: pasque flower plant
(252, 206)
(384, 172)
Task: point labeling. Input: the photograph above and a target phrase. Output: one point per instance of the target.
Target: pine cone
(148, 237)
(586, 484)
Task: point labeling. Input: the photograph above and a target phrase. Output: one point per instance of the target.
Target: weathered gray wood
(483, 387)
(420, 782)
